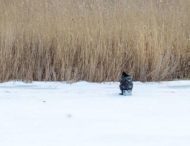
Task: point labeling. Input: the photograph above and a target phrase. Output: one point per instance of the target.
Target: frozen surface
(92, 114)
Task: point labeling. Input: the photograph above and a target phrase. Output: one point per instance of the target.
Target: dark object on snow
(126, 84)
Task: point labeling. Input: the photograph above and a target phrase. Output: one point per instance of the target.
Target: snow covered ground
(92, 114)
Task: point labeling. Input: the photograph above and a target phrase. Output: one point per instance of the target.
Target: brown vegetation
(94, 40)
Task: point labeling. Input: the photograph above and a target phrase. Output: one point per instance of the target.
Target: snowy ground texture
(92, 114)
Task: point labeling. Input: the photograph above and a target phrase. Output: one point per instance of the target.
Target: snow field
(94, 114)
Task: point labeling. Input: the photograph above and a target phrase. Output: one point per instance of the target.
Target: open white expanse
(92, 114)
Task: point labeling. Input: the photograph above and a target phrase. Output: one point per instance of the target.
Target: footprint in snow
(69, 116)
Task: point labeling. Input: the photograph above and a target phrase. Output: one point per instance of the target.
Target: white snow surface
(94, 114)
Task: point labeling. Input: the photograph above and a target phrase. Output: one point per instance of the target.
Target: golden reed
(94, 40)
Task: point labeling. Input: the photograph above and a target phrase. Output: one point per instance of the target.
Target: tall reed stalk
(94, 40)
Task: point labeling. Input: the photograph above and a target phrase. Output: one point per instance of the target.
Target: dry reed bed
(94, 40)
